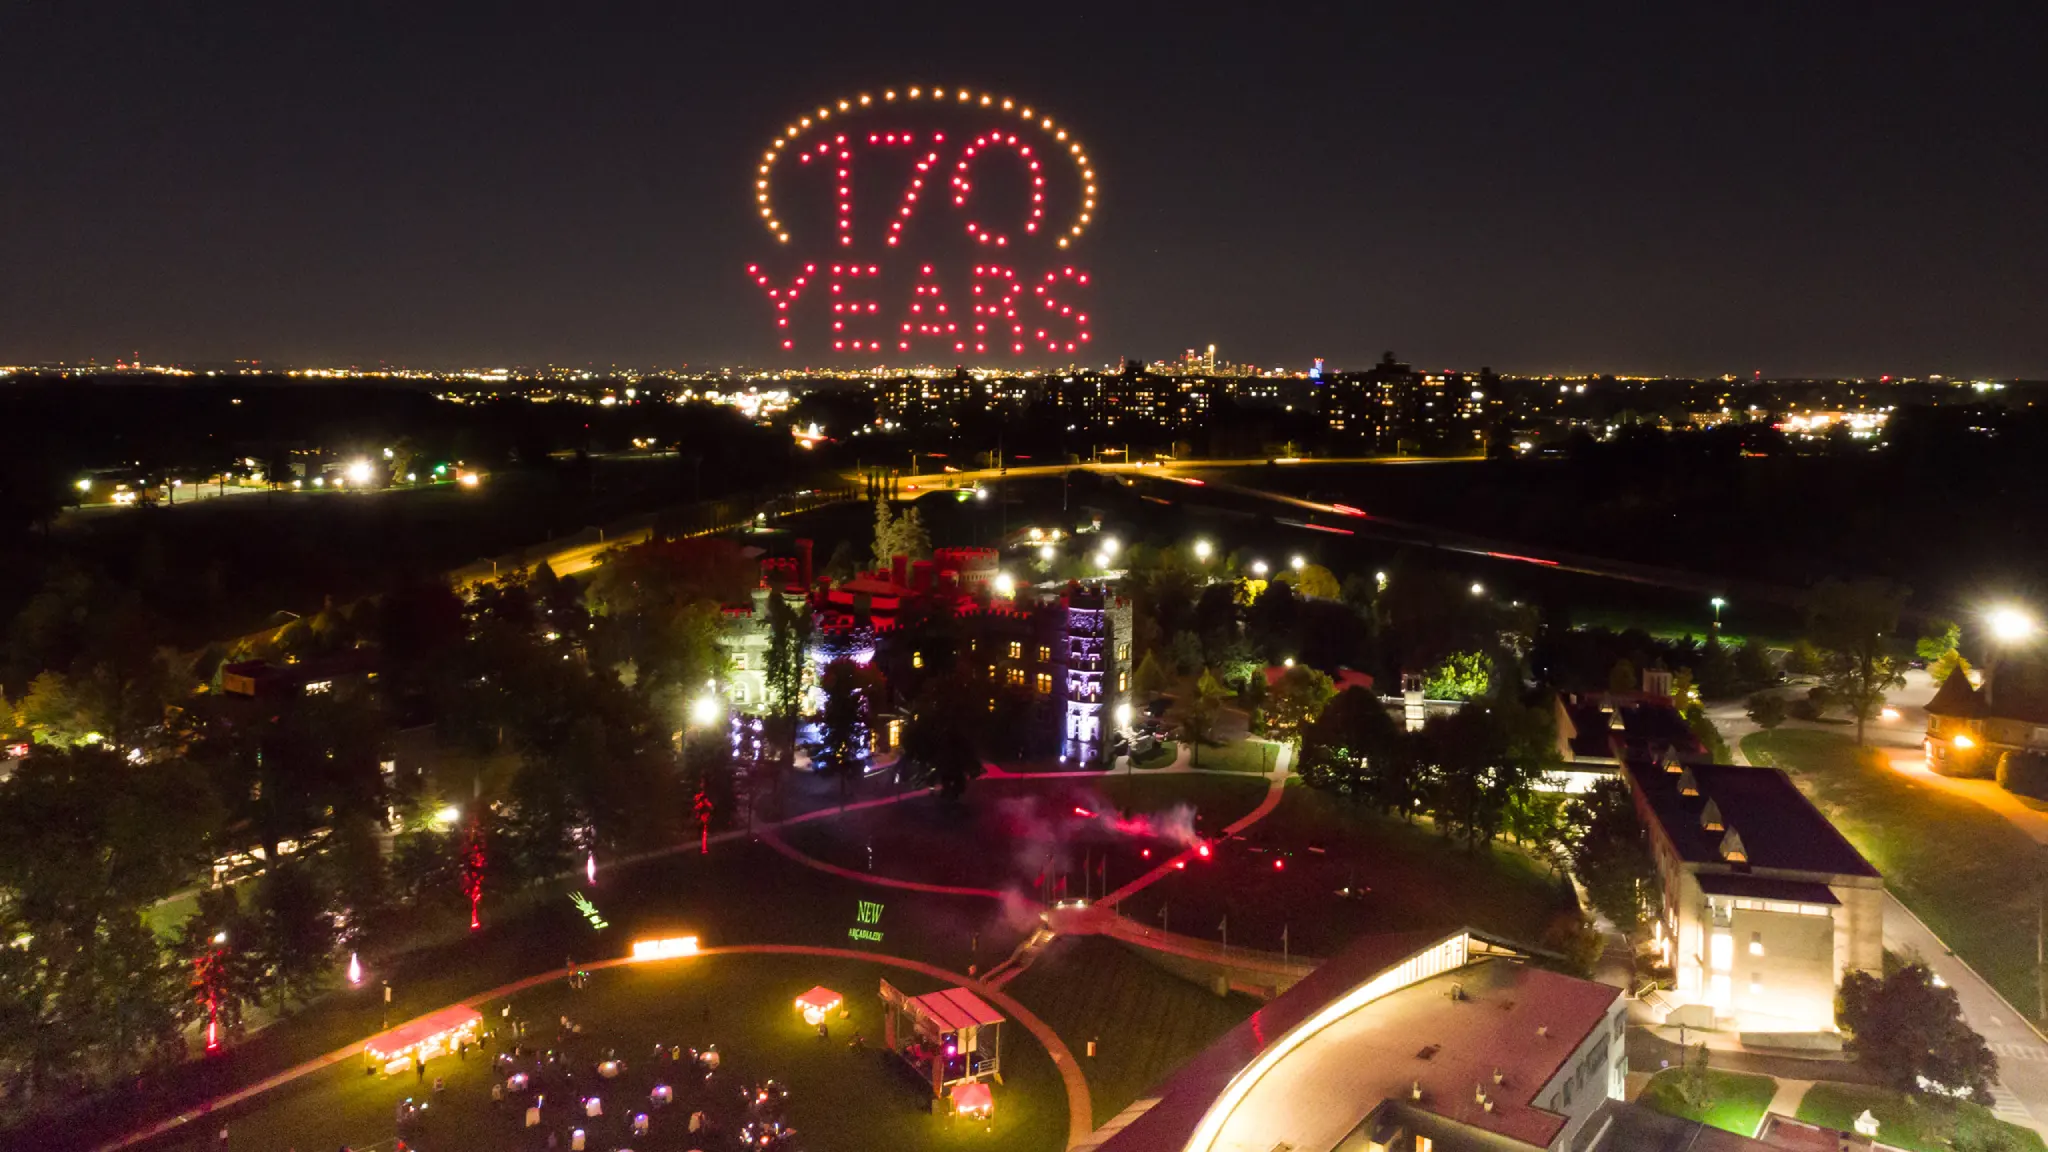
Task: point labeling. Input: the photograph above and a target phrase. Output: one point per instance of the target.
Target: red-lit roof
(956, 1008)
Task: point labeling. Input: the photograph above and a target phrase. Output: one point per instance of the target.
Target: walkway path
(1080, 1108)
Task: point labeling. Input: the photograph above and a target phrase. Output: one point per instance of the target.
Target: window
(1044, 683)
(1756, 943)
(1721, 952)
(1424, 1144)
(1123, 651)
(739, 693)
(739, 661)
(1756, 983)
(1044, 654)
(1016, 676)
(917, 659)
(1016, 649)
(1123, 681)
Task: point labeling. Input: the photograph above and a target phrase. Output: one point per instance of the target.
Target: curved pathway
(1080, 1108)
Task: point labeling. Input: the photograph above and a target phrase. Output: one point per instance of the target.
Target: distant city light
(1478, 589)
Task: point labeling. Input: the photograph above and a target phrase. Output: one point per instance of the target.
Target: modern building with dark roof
(1403, 1043)
(1969, 728)
(1766, 905)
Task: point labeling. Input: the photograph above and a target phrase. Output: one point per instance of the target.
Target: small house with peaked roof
(1969, 727)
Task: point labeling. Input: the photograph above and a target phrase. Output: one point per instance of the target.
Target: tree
(1622, 677)
(1766, 709)
(1610, 854)
(1460, 676)
(1853, 619)
(844, 738)
(1313, 581)
(1150, 677)
(219, 942)
(1939, 642)
(911, 538)
(294, 930)
(789, 632)
(1480, 761)
(885, 549)
(1695, 1085)
(1802, 658)
(1201, 711)
(1187, 653)
(938, 744)
(1295, 701)
(1948, 664)
(1908, 1029)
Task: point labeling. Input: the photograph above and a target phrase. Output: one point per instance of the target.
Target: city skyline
(1751, 190)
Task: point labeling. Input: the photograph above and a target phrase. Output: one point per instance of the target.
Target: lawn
(1736, 1101)
(1251, 756)
(1960, 867)
(739, 894)
(1148, 1021)
(839, 1097)
(1907, 1123)
(1162, 754)
(1328, 871)
(1005, 833)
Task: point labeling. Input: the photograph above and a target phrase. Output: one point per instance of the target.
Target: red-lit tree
(473, 861)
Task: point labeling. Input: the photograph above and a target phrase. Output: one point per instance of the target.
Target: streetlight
(1298, 563)
(1203, 551)
(1478, 589)
(2010, 625)
(704, 711)
(359, 472)
(1006, 585)
(1380, 579)
(1102, 560)
(1259, 569)
(1109, 545)
(1046, 553)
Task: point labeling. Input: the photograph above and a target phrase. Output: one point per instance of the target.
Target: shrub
(2025, 773)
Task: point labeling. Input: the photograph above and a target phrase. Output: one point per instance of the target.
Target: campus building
(1766, 906)
(1070, 649)
(1404, 1043)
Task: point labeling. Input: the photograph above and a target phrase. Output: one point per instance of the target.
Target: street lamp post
(1718, 604)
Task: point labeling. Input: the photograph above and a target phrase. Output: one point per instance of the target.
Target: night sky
(1796, 188)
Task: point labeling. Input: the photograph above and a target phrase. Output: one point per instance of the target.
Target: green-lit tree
(1460, 676)
(844, 737)
(1294, 702)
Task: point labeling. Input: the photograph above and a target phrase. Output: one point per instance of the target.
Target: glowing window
(917, 659)
(1721, 952)
(1016, 649)
(1044, 654)
(1123, 681)
(1756, 943)
(1045, 683)
(1016, 676)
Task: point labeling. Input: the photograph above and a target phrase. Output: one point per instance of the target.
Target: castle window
(1044, 654)
(1016, 676)
(1045, 683)
(1016, 649)
(917, 659)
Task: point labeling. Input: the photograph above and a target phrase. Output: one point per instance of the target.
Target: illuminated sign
(666, 948)
(925, 220)
(866, 912)
(589, 911)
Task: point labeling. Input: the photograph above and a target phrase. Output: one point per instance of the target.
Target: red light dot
(788, 343)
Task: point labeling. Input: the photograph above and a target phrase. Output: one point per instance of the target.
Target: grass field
(1148, 1021)
(1962, 868)
(1907, 1123)
(740, 894)
(1399, 877)
(1737, 1101)
(1005, 833)
(839, 1098)
(1251, 756)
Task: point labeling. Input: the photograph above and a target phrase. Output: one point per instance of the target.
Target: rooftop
(1331, 1062)
(1778, 827)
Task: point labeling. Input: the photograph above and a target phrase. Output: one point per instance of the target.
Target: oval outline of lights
(1083, 165)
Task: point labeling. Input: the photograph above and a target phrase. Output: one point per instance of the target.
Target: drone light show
(925, 221)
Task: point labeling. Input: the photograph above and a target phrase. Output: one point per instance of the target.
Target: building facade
(1765, 905)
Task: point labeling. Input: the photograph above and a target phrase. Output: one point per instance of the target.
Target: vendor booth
(430, 1035)
(951, 1037)
(816, 1004)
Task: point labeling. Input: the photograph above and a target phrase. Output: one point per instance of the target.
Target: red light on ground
(1279, 865)
(1145, 852)
(1181, 864)
(1203, 851)
(1080, 811)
